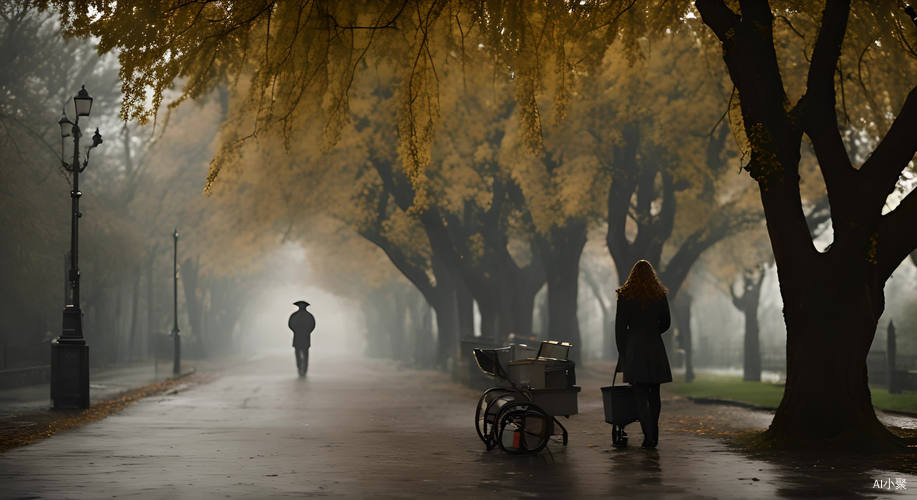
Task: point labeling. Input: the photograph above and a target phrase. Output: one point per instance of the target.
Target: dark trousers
(302, 360)
(646, 397)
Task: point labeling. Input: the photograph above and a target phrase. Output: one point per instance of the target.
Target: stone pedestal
(69, 374)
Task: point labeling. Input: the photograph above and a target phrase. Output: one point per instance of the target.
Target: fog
(490, 245)
(340, 328)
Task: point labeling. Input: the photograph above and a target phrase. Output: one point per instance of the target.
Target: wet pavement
(374, 431)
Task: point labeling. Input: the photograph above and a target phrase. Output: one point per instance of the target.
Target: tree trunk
(425, 348)
(193, 304)
(563, 323)
(399, 326)
(827, 399)
(150, 302)
(752, 279)
(751, 370)
(465, 312)
(446, 308)
(443, 299)
(118, 339)
(609, 347)
(832, 300)
(506, 306)
(385, 324)
(562, 255)
(491, 322)
(209, 344)
(427, 324)
(101, 326)
(891, 351)
(135, 315)
(523, 304)
(376, 331)
(682, 316)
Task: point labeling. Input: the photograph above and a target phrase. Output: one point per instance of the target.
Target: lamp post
(176, 338)
(69, 352)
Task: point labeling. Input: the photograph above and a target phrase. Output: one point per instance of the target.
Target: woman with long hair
(642, 317)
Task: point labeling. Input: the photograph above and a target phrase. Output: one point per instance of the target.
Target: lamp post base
(69, 374)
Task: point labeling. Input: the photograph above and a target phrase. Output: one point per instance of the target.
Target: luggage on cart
(620, 409)
(542, 373)
(520, 416)
(493, 361)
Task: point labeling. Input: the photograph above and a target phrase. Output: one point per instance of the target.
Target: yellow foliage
(459, 95)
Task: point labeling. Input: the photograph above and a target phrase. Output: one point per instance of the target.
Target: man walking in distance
(302, 323)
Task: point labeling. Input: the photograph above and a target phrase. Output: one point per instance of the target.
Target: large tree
(831, 316)
(741, 263)
(663, 192)
(667, 201)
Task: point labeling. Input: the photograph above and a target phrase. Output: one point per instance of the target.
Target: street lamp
(69, 352)
(176, 339)
(83, 103)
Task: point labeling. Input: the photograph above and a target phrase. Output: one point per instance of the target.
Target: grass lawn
(768, 395)
(906, 401)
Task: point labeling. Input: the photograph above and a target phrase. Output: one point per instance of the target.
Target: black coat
(638, 330)
(302, 323)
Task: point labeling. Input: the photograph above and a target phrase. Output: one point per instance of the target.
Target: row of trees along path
(429, 45)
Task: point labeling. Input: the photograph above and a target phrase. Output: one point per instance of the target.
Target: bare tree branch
(896, 237)
(728, 220)
(895, 151)
(818, 105)
(718, 16)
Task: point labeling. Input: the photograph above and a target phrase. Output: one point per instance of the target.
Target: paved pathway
(367, 430)
(103, 384)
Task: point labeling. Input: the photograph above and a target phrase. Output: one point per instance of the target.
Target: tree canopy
(835, 76)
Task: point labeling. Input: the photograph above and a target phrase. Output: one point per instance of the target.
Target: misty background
(241, 265)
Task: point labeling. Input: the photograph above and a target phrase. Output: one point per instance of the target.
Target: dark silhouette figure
(302, 323)
(642, 317)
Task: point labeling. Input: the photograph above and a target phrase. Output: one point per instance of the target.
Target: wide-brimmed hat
(301, 303)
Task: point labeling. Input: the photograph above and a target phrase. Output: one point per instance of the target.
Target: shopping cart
(520, 415)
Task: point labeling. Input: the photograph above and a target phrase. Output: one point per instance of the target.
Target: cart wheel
(563, 430)
(490, 403)
(523, 428)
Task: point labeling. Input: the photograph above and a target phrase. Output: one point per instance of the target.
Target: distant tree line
(136, 189)
(827, 85)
